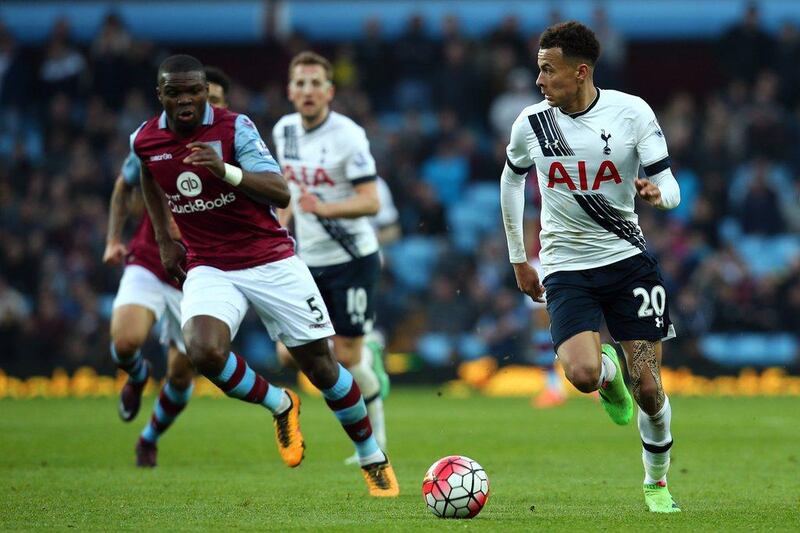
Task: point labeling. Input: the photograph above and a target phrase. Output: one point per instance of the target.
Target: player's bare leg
(208, 342)
(130, 326)
(580, 357)
(349, 351)
(591, 366)
(286, 360)
(171, 401)
(343, 396)
(655, 415)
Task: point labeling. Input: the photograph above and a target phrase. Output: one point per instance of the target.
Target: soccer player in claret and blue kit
(146, 294)
(587, 146)
(212, 171)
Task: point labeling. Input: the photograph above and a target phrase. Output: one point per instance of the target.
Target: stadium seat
(768, 255)
(413, 259)
(741, 349)
(476, 214)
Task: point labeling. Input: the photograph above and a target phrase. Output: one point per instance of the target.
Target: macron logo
(160, 157)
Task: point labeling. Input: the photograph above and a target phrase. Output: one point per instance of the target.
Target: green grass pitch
(68, 463)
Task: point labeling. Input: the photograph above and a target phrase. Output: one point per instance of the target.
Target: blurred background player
(212, 170)
(326, 159)
(388, 230)
(146, 294)
(587, 146)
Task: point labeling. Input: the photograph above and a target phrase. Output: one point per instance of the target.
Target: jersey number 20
(653, 302)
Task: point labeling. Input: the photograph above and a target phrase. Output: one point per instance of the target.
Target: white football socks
(370, 387)
(608, 370)
(656, 442)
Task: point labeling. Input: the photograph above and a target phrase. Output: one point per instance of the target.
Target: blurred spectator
(13, 75)
(509, 37)
(518, 95)
(414, 58)
(760, 213)
(374, 55)
(787, 52)
(746, 48)
(109, 53)
(613, 53)
(63, 66)
(456, 84)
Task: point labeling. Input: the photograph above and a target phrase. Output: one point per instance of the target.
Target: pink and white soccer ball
(455, 487)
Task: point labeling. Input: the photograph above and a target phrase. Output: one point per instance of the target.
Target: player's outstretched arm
(116, 250)
(265, 187)
(172, 252)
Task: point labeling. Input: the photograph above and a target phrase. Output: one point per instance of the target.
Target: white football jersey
(329, 160)
(586, 164)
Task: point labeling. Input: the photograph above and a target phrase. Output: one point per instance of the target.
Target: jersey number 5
(314, 309)
(653, 302)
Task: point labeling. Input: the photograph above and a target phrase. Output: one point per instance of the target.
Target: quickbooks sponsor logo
(200, 205)
(189, 184)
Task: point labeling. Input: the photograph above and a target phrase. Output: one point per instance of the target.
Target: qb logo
(189, 184)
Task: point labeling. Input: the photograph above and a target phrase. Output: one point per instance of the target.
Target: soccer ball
(455, 487)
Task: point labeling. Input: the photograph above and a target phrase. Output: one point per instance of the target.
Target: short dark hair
(215, 75)
(180, 63)
(574, 39)
(311, 58)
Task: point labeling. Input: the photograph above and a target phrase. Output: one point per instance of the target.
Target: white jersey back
(329, 160)
(586, 164)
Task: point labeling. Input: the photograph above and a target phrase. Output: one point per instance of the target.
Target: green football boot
(377, 365)
(658, 498)
(615, 397)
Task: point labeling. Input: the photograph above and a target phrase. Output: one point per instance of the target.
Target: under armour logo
(659, 322)
(605, 137)
(551, 145)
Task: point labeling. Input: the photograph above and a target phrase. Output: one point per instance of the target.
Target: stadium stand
(730, 253)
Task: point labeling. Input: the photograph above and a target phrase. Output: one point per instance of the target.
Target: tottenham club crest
(605, 137)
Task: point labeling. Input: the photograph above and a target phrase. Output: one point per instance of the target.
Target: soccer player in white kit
(587, 145)
(326, 160)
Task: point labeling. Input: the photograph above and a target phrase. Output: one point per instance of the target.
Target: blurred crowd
(437, 113)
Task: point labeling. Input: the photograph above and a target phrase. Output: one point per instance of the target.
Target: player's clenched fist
(204, 155)
(648, 191)
(114, 253)
(310, 203)
(528, 281)
(173, 255)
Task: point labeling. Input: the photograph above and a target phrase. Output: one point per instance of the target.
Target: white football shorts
(282, 293)
(139, 286)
